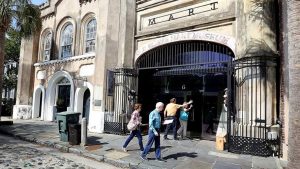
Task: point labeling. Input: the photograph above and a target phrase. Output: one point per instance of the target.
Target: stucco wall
(114, 48)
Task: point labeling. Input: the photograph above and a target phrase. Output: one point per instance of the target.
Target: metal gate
(252, 125)
(120, 95)
(251, 83)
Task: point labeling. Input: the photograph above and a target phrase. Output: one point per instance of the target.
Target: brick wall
(293, 27)
(283, 75)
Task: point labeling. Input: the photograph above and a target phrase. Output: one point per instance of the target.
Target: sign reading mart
(183, 13)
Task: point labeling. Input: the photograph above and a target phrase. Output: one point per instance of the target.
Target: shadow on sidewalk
(181, 154)
(93, 140)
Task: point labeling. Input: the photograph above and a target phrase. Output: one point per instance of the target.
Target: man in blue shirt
(154, 132)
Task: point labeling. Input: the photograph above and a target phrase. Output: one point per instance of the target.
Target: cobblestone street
(15, 154)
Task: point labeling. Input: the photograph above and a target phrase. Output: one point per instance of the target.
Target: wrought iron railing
(253, 112)
(118, 105)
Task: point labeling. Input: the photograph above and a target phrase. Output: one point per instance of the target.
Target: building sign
(183, 13)
(186, 36)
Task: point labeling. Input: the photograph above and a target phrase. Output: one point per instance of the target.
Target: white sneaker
(124, 149)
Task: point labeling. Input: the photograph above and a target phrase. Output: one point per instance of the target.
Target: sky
(38, 2)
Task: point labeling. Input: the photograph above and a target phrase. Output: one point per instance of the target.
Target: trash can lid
(67, 113)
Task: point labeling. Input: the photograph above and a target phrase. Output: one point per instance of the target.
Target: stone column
(28, 56)
(256, 32)
(126, 33)
(256, 28)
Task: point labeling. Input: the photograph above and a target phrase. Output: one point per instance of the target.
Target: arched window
(90, 36)
(47, 47)
(67, 41)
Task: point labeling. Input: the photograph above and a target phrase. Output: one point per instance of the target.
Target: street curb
(64, 148)
(117, 163)
(75, 151)
(61, 148)
(93, 156)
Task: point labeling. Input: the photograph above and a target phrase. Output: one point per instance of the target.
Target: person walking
(154, 132)
(183, 119)
(135, 122)
(170, 114)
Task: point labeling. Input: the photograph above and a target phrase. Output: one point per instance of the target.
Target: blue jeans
(172, 125)
(138, 134)
(151, 139)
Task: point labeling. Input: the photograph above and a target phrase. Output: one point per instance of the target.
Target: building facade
(64, 67)
(99, 57)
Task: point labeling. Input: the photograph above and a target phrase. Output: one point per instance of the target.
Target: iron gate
(119, 100)
(184, 59)
(252, 107)
(251, 89)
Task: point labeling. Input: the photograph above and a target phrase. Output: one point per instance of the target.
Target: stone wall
(22, 112)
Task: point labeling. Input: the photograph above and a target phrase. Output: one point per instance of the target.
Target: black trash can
(74, 134)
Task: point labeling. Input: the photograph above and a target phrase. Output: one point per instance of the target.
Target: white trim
(187, 36)
(74, 58)
(36, 102)
(51, 94)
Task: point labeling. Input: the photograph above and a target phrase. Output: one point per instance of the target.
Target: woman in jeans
(136, 119)
(183, 119)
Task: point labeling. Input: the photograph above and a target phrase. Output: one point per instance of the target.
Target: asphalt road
(18, 154)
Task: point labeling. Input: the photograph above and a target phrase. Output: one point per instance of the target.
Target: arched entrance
(83, 97)
(59, 95)
(86, 105)
(186, 70)
(38, 102)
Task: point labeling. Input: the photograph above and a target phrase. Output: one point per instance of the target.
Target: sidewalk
(189, 154)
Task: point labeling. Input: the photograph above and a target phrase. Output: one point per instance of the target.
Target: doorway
(86, 105)
(63, 98)
(40, 103)
(187, 70)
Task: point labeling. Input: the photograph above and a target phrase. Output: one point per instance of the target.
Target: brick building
(290, 52)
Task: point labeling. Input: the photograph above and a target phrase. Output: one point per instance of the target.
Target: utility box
(63, 121)
(74, 134)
